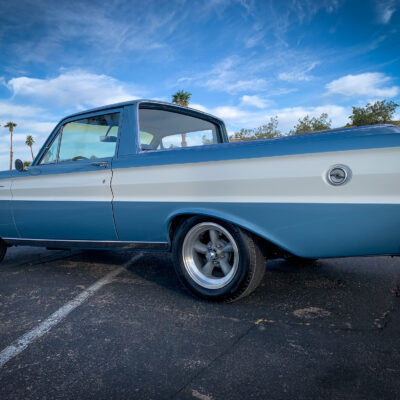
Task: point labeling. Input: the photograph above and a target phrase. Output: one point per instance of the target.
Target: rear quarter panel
(284, 198)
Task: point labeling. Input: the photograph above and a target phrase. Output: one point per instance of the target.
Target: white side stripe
(280, 179)
(25, 340)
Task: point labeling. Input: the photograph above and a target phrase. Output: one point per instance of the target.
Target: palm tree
(182, 98)
(29, 142)
(11, 126)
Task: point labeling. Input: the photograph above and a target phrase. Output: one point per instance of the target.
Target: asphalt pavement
(93, 330)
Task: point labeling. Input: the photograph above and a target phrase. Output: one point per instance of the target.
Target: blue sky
(242, 60)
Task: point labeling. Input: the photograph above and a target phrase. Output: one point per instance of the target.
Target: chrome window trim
(58, 136)
(221, 133)
(76, 117)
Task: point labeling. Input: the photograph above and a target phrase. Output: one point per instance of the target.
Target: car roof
(134, 102)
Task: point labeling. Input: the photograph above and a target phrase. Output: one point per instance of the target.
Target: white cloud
(236, 117)
(106, 32)
(105, 35)
(306, 10)
(298, 73)
(255, 101)
(40, 130)
(227, 76)
(255, 39)
(4, 161)
(69, 91)
(288, 117)
(370, 84)
(386, 8)
(28, 122)
(11, 111)
(232, 114)
(238, 86)
(77, 88)
(254, 74)
(197, 107)
(278, 20)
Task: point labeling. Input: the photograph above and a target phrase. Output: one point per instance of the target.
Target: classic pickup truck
(147, 175)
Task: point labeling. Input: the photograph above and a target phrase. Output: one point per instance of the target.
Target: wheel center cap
(213, 255)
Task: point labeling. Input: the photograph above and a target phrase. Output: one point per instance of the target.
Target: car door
(7, 225)
(153, 183)
(66, 194)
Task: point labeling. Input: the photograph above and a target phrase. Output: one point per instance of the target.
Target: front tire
(216, 260)
(3, 249)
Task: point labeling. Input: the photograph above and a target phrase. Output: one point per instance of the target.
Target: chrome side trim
(88, 244)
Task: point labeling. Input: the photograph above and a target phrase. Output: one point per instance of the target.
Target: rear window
(161, 130)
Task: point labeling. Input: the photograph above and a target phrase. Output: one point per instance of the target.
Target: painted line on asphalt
(25, 340)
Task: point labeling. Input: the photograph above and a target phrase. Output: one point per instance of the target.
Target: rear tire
(216, 260)
(3, 250)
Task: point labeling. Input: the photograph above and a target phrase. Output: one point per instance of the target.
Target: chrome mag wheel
(210, 255)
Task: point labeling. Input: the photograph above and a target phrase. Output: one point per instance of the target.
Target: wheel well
(176, 221)
(269, 249)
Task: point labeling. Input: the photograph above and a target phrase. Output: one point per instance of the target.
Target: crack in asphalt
(383, 321)
(214, 360)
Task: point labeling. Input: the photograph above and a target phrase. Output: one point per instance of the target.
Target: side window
(85, 139)
(160, 129)
(89, 138)
(50, 156)
(146, 139)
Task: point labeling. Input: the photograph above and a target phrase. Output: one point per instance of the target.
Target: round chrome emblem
(338, 175)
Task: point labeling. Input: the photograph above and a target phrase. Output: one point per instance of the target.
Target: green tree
(242, 135)
(206, 140)
(29, 142)
(380, 112)
(182, 98)
(314, 124)
(11, 126)
(266, 131)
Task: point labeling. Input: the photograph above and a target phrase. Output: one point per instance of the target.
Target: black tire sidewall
(3, 250)
(243, 268)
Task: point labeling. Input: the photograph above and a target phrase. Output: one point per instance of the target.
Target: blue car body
(278, 189)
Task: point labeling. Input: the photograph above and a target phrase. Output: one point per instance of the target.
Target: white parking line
(25, 340)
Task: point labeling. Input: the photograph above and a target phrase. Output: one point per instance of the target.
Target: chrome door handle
(102, 164)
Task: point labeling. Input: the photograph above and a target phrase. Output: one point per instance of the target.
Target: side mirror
(19, 165)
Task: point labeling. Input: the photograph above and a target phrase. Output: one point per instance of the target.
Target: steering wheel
(76, 158)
